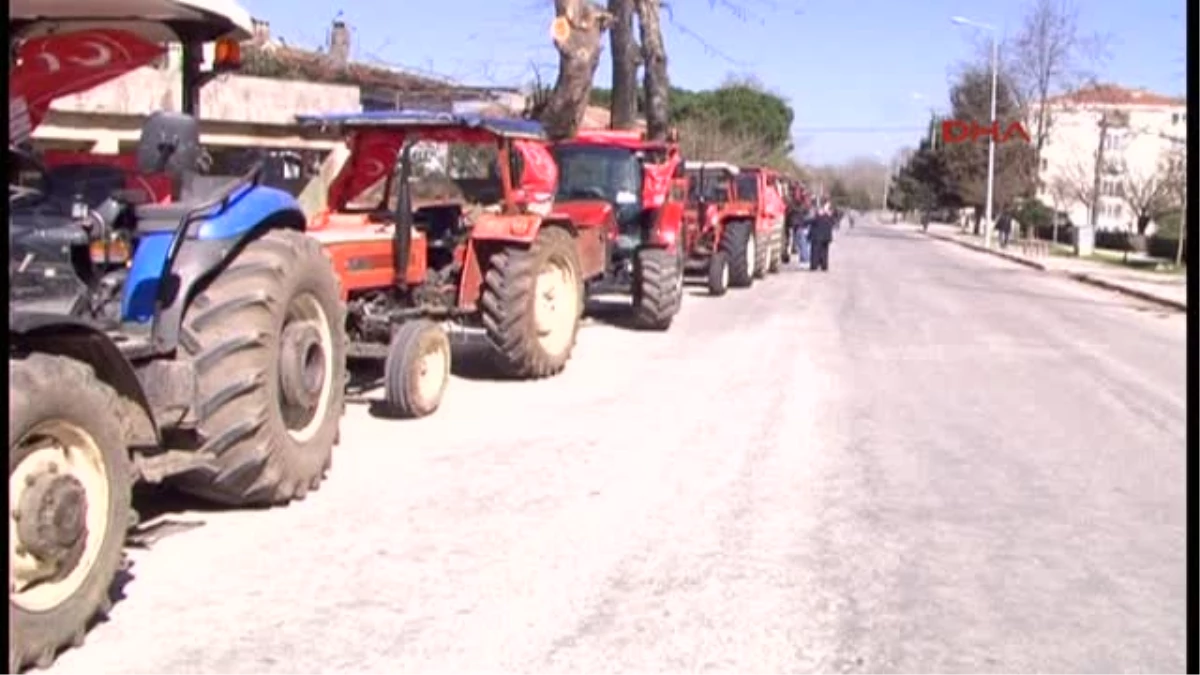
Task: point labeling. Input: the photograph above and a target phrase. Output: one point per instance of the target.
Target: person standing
(820, 234)
(1004, 227)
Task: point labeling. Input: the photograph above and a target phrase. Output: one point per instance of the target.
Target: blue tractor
(200, 342)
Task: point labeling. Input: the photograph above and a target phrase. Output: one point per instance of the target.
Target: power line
(859, 130)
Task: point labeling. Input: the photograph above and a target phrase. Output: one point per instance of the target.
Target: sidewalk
(1158, 287)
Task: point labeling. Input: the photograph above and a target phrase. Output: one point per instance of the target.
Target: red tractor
(628, 180)
(734, 224)
(770, 211)
(493, 255)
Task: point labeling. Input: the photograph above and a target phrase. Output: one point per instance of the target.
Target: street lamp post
(991, 170)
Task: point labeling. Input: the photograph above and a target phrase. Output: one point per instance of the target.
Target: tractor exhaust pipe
(402, 236)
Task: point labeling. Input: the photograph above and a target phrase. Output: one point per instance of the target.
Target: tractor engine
(67, 256)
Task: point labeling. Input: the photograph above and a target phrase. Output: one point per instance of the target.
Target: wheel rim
(432, 369)
(556, 306)
(58, 515)
(303, 418)
(751, 254)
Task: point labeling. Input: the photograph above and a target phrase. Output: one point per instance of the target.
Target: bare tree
(1049, 53)
(577, 32)
(1060, 193)
(1078, 185)
(1176, 188)
(703, 140)
(654, 56)
(1146, 193)
(626, 57)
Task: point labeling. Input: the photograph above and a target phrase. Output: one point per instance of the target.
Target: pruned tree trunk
(577, 32)
(654, 56)
(625, 61)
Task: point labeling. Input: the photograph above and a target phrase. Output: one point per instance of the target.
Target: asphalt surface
(926, 460)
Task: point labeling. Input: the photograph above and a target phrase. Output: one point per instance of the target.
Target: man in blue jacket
(820, 234)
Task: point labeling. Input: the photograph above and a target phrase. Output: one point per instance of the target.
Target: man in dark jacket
(820, 233)
(1004, 227)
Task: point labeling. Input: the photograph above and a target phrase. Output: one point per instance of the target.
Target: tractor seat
(153, 218)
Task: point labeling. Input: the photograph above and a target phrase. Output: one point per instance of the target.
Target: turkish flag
(52, 66)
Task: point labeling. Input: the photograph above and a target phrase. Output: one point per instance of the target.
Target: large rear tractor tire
(532, 303)
(763, 250)
(268, 339)
(417, 369)
(69, 478)
(776, 260)
(739, 245)
(657, 288)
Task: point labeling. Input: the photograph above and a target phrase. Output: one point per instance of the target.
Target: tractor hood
(152, 20)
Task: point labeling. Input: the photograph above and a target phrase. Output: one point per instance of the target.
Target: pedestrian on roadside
(802, 248)
(1004, 227)
(820, 234)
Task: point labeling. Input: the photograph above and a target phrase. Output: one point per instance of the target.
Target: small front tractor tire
(657, 288)
(718, 274)
(417, 369)
(268, 340)
(69, 477)
(739, 245)
(532, 303)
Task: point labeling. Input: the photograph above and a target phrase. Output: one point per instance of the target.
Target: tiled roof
(318, 67)
(1111, 94)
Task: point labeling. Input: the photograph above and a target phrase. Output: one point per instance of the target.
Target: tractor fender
(520, 228)
(666, 226)
(78, 339)
(217, 241)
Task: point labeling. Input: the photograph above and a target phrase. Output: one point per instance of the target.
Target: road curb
(983, 249)
(1075, 276)
(1125, 290)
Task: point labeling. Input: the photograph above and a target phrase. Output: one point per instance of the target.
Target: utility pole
(1085, 238)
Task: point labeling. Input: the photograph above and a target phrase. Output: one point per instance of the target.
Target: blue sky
(842, 64)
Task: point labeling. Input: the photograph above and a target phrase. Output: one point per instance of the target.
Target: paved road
(926, 460)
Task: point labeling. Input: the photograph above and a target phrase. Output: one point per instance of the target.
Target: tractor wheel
(763, 251)
(531, 304)
(417, 369)
(268, 339)
(718, 274)
(657, 288)
(69, 479)
(738, 243)
(776, 260)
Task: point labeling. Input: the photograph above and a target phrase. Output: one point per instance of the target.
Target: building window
(1111, 210)
(1110, 188)
(1114, 142)
(1045, 164)
(1175, 118)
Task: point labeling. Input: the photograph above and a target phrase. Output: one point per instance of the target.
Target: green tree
(966, 163)
(923, 183)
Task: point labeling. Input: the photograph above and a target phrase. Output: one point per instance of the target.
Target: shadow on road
(611, 311)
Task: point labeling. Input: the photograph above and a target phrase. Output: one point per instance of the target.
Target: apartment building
(1145, 129)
